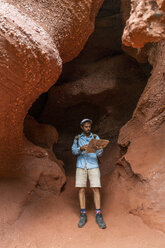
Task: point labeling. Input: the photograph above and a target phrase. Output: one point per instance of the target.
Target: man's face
(86, 128)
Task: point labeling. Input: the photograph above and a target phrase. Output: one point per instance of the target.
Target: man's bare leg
(97, 197)
(82, 198)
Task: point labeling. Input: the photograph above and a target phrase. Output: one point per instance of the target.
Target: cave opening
(103, 83)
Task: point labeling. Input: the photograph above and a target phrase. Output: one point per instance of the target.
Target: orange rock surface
(35, 39)
(145, 24)
(144, 134)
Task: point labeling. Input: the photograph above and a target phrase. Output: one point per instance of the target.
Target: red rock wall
(145, 24)
(141, 169)
(144, 135)
(35, 39)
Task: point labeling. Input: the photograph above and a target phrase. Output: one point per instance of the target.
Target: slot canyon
(62, 61)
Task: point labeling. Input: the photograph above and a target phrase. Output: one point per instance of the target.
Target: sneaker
(100, 221)
(83, 219)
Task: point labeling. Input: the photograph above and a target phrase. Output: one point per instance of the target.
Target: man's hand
(83, 148)
(99, 147)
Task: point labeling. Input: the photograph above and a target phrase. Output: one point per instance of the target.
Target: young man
(87, 165)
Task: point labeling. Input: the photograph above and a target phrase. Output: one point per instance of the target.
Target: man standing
(87, 165)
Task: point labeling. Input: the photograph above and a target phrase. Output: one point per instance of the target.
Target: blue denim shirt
(85, 160)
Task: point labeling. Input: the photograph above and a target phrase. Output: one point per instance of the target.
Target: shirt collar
(83, 135)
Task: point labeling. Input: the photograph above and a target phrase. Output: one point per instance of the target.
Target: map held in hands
(96, 144)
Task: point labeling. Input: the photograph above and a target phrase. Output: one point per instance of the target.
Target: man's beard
(87, 132)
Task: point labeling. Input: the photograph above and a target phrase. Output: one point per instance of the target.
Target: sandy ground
(50, 221)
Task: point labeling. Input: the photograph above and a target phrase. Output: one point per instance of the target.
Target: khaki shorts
(92, 174)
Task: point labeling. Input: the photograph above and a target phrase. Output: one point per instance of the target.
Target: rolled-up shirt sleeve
(100, 151)
(75, 148)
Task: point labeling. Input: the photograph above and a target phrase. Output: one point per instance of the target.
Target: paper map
(92, 147)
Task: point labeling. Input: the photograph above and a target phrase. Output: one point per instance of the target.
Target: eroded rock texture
(144, 136)
(35, 39)
(145, 24)
(140, 171)
(140, 54)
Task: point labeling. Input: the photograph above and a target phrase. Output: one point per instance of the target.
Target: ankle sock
(83, 210)
(98, 211)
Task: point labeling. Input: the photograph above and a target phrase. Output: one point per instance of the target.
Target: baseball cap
(85, 120)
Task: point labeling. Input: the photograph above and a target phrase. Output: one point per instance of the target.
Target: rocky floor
(49, 221)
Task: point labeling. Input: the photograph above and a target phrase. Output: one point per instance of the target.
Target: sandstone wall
(35, 39)
(141, 169)
(145, 24)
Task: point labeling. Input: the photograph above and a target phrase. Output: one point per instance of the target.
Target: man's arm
(99, 152)
(75, 149)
